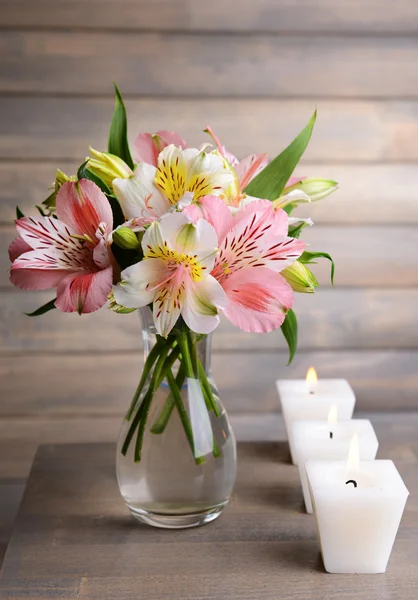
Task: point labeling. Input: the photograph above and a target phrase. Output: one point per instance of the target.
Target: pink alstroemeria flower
(248, 168)
(253, 249)
(175, 275)
(71, 252)
(149, 145)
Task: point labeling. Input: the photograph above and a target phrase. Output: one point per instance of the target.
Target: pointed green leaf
(295, 230)
(85, 173)
(19, 213)
(41, 210)
(290, 332)
(309, 258)
(42, 309)
(50, 202)
(118, 133)
(289, 208)
(270, 183)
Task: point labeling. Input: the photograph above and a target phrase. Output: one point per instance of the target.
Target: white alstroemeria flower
(152, 191)
(175, 275)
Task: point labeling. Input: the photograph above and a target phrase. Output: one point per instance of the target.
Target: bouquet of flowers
(194, 233)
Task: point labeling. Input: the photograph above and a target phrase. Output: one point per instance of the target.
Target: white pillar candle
(357, 513)
(319, 440)
(311, 399)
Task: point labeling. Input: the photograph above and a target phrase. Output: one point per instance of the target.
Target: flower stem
(156, 379)
(161, 423)
(186, 356)
(184, 417)
(162, 367)
(207, 391)
(152, 357)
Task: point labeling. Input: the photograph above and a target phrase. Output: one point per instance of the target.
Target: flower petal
(84, 293)
(35, 279)
(215, 211)
(54, 244)
(233, 160)
(138, 283)
(83, 206)
(46, 232)
(18, 247)
(139, 197)
(171, 173)
(202, 303)
(257, 299)
(207, 175)
(148, 146)
(293, 181)
(101, 251)
(167, 305)
(254, 241)
(249, 167)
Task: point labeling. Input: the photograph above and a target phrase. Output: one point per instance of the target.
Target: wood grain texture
(375, 16)
(369, 194)
(10, 497)
(262, 536)
(174, 64)
(63, 128)
(61, 386)
(390, 253)
(332, 319)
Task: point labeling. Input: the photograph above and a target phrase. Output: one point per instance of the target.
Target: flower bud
(108, 166)
(61, 178)
(300, 278)
(316, 188)
(125, 238)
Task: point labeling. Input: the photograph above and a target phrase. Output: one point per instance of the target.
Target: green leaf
(290, 332)
(42, 309)
(85, 173)
(50, 202)
(118, 133)
(41, 210)
(296, 230)
(270, 183)
(289, 208)
(309, 258)
(118, 218)
(19, 213)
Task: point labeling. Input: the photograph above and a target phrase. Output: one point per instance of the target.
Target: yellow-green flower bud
(61, 178)
(300, 278)
(125, 238)
(108, 166)
(316, 188)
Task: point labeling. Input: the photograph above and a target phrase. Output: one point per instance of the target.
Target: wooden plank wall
(255, 71)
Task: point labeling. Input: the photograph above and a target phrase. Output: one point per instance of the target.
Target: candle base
(356, 526)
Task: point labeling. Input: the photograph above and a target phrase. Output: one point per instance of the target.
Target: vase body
(186, 469)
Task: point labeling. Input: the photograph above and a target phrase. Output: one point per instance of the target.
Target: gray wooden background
(254, 71)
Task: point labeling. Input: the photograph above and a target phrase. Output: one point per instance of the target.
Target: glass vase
(176, 453)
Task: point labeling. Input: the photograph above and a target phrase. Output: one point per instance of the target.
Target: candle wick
(331, 435)
(351, 481)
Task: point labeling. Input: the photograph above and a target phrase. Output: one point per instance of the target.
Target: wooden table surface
(74, 538)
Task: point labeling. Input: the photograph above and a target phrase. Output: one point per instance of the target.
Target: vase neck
(149, 336)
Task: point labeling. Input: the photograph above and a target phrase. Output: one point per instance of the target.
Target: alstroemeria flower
(252, 252)
(149, 145)
(153, 191)
(71, 252)
(244, 171)
(175, 275)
